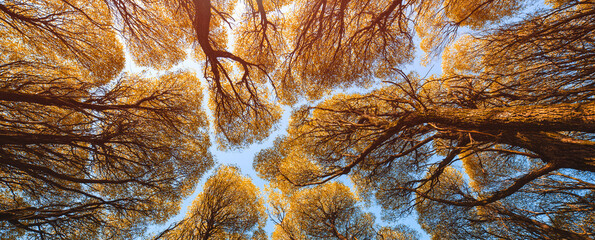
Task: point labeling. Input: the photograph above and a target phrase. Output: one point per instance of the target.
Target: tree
(228, 208)
(272, 54)
(329, 211)
(105, 162)
(87, 151)
(399, 232)
(78, 133)
(554, 207)
(514, 106)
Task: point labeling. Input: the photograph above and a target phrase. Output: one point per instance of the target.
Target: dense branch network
(86, 150)
(512, 107)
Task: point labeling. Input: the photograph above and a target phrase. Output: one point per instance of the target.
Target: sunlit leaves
(343, 43)
(80, 154)
(325, 212)
(329, 211)
(229, 207)
(438, 20)
(540, 211)
(399, 232)
(88, 151)
(61, 32)
(526, 61)
(157, 33)
(417, 141)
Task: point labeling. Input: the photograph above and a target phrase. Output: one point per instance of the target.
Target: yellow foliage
(229, 207)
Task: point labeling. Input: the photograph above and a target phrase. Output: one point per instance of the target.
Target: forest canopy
(499, 145)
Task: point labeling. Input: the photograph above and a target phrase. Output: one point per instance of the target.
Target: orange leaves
(228, 207)
(343, 43)
(59, 32)
(437, 21)
(90, 147)
(328, 211)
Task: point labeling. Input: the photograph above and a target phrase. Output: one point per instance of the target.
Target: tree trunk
(535, 128)
(563, 151)
(558, 117)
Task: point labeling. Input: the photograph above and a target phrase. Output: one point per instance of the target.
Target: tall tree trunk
(535, 128)
(558, 117)
(552, 147)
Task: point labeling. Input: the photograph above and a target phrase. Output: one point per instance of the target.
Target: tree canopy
(330, 211)
(229, 207)
(513, 109)
(500, 144)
